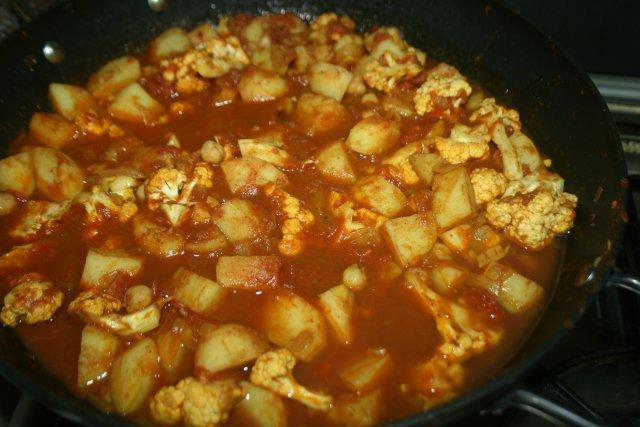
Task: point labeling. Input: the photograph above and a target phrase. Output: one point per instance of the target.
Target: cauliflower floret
(91, 122)
(198, 403)
(437, 380)
(31, 301)
(272, 370)
(212, 58)
(116, 194)
(489, 113)
(542, 178)
(170, 190)
(532, 219)
(298, 219)
(444, 88)
(385, 73)
(352, 218)
(39, 216)
(464, 143)
(138, 322)
(90, 305)
(488, 184)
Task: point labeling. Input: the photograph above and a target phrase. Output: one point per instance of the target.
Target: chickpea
(353, 277)
(7, 203)
(212, 152)
(137, 298)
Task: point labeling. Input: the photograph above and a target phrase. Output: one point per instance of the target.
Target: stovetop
(593, 376)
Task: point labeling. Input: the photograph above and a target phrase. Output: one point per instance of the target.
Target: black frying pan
(559, 106)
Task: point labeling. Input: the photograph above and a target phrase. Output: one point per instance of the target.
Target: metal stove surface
(591, 378)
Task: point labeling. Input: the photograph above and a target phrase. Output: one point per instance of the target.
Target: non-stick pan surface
(558, 104)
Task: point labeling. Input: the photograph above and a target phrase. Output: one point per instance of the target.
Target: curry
(268, 222)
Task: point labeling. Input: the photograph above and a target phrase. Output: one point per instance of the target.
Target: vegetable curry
(268, 222)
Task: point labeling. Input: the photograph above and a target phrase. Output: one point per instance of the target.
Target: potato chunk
(239, 220)
(248, 272)
(453, 199)
(97, 350)
(244, 176)
(261, 407)
(514, 292)
(170, 42)
(70, 101)
(373, 135)
(293, 323)
(410, 237)
(357, 411)
(51, 129)
(114, 76)
(57, 176)
(133, 376)
(329, 80)
(366, 372)
(377, 193)
(267, 150)
(17, 174)
(101, 267)
(446, 278)
(424, 165)
(227, 346)
(317, 114)
(199, 294)
(338, 304)
(334, 165)
(134, 104)
(257, 85)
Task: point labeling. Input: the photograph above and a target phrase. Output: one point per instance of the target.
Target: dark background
(602, 36)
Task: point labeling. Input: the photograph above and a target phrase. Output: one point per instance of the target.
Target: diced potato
(266, 151)
(227, 346)
(8, 203)
(114, 76)
(373, 135)
(58, 177)
(157, 239)
(337, 304)
(207, 242)
(51, 129)
(260, 407)
(317, 114)
(441, 252)
(514, 292)
(170, 42)
(17, 174)
(329, 80)
(354, 278)
(424, 165)
(101, 267)
(333, 163)
(366, 372)
(133, 376)
(245, 175)
(377, 193)
(458, 238)
(357, 411)
(453, 199)
(400, 161)
(410, 237)
(239, 220)
(257, 85)
(174, 347)
(202, 33)
(446, 278)
(70, 101)
(248, 272)
(97, 350)
(199, 294)
(293, 323)
(134, 104)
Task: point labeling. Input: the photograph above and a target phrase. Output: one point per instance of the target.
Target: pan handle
(555, 403)
(624, 280)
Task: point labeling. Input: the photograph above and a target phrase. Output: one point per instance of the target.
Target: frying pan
(559, 105)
